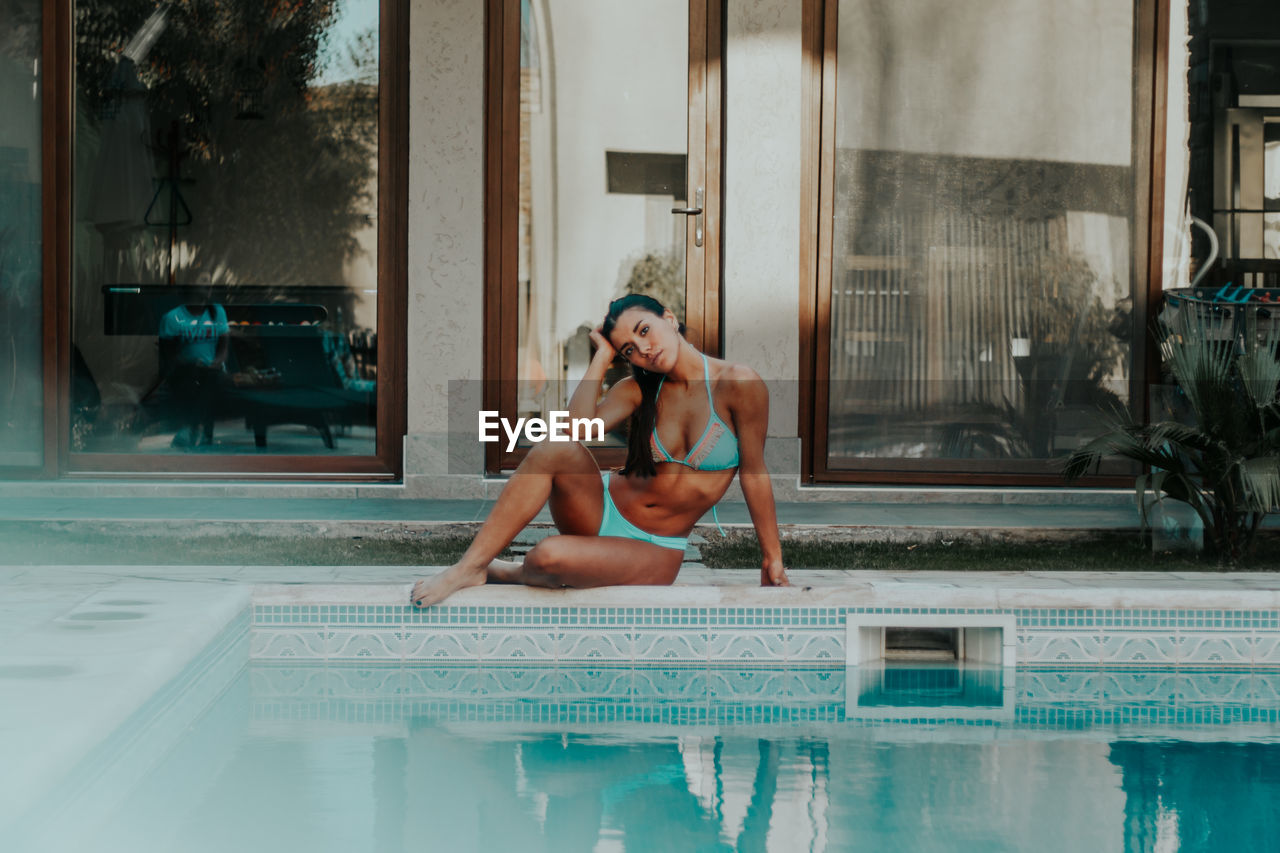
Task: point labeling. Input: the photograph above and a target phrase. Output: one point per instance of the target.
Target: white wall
(619, 82)
(762, 197)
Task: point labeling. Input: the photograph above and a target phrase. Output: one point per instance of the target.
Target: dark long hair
(643, 419)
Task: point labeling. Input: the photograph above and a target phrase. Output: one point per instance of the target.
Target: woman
(694, 422)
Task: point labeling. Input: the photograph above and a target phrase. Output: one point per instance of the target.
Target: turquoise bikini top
(716, 450)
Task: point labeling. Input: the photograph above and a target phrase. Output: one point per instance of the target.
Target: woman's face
(647, 340)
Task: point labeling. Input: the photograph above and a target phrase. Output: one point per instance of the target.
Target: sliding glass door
(981, 215)
(225, 222)
(607, 184)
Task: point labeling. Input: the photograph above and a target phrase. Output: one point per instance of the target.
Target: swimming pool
(351, 757)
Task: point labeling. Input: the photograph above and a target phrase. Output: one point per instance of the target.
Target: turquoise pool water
(318, 758)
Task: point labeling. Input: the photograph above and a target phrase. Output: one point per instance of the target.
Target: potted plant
(1066, 348)
(1217, 447)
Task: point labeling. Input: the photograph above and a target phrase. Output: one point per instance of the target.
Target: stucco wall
(446, 229)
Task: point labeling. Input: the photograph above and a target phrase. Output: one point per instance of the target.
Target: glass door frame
(1150, 71)
(392, 298)
(703, 311)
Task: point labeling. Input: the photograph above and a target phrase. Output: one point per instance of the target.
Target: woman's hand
(774, 574)
(604, 349)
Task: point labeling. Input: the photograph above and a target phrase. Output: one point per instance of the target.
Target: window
(983, 187)
(236, 219)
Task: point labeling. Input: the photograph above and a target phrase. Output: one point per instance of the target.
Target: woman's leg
(565, 473)
(587, 561)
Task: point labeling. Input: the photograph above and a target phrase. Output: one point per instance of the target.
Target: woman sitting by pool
(694, 422)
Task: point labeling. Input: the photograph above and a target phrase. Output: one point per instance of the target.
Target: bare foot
(437, 588)
(505, 571)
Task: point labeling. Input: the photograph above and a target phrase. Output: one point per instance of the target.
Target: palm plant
(1218, 448)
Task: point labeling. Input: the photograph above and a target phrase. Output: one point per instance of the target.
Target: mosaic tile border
(1072, 688)
(523, 646)
(311, 681)
(1113, 704)
(510, 616)
(527, 616)
(778, 636)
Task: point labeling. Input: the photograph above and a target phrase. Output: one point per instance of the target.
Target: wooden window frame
(386, 464)
(818, 35)
(703, 315)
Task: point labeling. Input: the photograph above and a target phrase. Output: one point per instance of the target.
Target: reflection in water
(385, 759)
(933, 687)
(1199, 796)
(561, 792)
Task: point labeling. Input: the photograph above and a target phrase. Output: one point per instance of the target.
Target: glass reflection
(224, 279)
(21, 91)
(1271, 189)
(603, 147)
(981, 276)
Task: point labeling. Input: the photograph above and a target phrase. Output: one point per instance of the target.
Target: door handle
(696, 210)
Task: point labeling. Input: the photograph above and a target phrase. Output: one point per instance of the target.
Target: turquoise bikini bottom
(613, 524)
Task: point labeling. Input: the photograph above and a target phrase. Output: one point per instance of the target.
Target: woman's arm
(751, 421)
(620, 401)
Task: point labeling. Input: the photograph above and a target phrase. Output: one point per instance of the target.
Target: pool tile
(1049, 646)
(774, 635)
(1220, 687)
(1194, 647)
(658, 645)
(528, 644)
(444, 645)
(814, 646)
(1266, 648)
(762, 646)
(681, 684)
(361, 645)
(595, 645)
(1147, 647)
(288, 643)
